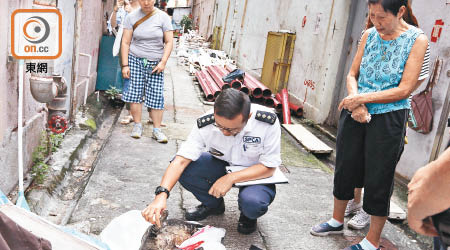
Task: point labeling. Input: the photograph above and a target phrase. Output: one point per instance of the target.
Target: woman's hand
(159, 67)
(126, 72)
(350, 102)
(154, 210)
(361, 115)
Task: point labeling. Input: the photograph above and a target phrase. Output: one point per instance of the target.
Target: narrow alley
(68, 158)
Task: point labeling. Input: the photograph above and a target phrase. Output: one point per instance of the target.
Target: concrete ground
(128, 170)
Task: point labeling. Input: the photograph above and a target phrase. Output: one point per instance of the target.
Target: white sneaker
(159, 136)
(352, 207)
(137, 131)
(360, 220)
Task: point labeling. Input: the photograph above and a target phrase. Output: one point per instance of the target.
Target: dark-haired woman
(373, 121)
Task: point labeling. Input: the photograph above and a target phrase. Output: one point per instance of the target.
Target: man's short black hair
(232, 102)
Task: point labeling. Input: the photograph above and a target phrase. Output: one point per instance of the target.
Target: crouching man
(236, 133)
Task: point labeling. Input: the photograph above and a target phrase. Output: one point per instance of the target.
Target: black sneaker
(246, 225)
(201, 212)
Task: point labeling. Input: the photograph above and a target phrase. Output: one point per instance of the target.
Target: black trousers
(366, 156)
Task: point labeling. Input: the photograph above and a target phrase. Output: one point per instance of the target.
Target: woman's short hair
(232, 102)
(392, 6)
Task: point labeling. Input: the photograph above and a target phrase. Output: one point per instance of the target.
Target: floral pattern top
(382, 67)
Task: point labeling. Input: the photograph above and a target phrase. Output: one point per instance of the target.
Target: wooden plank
(307, 139)
(44, 229)
(396, 212)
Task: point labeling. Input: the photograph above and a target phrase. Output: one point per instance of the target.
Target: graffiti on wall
(310, 84)
(437, 30)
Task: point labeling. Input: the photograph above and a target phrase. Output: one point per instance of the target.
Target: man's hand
(420, 188)
(159, 68)
(221, 186)
(154, 210)
(126, 72)
(361, 115)
(424, 226)
(350, 102)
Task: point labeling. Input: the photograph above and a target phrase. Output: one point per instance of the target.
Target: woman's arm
(407, 84)
(124, 50)
(352, 77)
(360, 113)
(113, 17)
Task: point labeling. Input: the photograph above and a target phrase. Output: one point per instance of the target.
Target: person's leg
(157, 116)
(200, 175)
(135, 92)
(376, 227)
(136, 111)
(128, 118)
(253, 203)
(155, 101)
(254, 200)
(357, 198)
(354, 205)
(384, 142)
(348, 172)
(339, 209)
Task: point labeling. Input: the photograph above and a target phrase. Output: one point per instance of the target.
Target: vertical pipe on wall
(20, 129)
(75, 56)
(225, 26)
(243, 14)
(233, 29)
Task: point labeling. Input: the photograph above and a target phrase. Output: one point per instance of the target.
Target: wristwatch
(160, 189)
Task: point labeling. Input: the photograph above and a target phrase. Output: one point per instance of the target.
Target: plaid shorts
(144, 86)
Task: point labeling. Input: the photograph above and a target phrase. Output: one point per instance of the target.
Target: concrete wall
(3, 71)
(418, 150)
(34, 115)
(90, 35)
(203, 15)
(63, 64)
(244, 35)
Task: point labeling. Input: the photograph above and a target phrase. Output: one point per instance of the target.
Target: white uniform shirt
(258, 142)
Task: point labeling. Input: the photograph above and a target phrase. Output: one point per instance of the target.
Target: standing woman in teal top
(373, 120)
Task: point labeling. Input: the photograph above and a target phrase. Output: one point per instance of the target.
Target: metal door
(277, 60)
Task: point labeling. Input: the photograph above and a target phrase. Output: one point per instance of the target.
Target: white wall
(63, 64)
(203, 16)
(418, 150)
(245, 36)
(34, 116)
